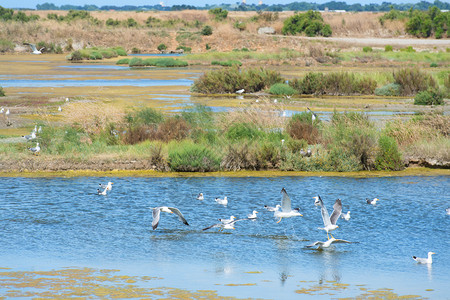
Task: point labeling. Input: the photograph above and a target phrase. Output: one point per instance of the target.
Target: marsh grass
(187, 156)
(157, 62)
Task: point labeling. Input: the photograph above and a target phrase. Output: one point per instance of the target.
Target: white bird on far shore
(240, 91)
(34, 49)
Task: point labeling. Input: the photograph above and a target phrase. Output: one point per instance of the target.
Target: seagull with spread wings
(330, 221)
(172, 210)
(286, 210)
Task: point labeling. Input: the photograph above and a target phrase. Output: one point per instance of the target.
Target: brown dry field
(224, 38)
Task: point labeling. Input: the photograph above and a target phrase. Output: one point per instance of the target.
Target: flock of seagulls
(280, 211)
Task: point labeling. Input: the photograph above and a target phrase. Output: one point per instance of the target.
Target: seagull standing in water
(252, 216)
(100, 192)
(373, 201)
(223, 201)
(428, 260)
(327, 244)
(172, 210)
(34, 49)
(286, 210)
(330, 222)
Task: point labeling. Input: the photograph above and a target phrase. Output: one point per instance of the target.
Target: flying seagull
(225, 223)
(428, 260)
(172, 210)
(240, 91)
(34, 49)
(330, 222)
(286, 210)
(108, 186)
(322, 245)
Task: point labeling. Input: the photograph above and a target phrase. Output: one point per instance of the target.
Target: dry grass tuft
(93, 117)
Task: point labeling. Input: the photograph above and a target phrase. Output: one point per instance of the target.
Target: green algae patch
(153, 173)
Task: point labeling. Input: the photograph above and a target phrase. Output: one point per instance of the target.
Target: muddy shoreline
(38, 167)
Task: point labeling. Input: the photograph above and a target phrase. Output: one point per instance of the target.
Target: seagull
(200, 196)
(308, 152)
(225, 223)
(313, 115)
(286, 210)
(39, 129)
(448, 211)
(35, 129)
(2, 110)
(275, 100)
(35, 50)
(30, 137)
(271, 208)
(240, 91)
(223, 201)
(302, 152)
(316, 201)
(282, 142)
(252, 216)
(171, 210)
(59, 109)
(36, 149)
(346, 216)
(107, 186)
(284, 114)
(99, 192)
(330, 222)
(7, 112)
(67, 99)
(322, 245)
(428, 260)
(373, 202)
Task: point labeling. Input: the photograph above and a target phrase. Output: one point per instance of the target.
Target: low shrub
(2, 92)
(145, 116)
(388, 48)
(408, 49)
(240, 156)
(165, 62)
(282, 89)
(243, 131)
(390, 89)
(413, 80)
(173, 128)
(190, 157)
(135, 50)
(206, 30)
(123, 61)
(434, 65)
(185, 49)
(232, 79)
(95, 55)
(218, 13)
(120, 51)
(6, 45)
(345, 83)
(429, 97)
(310, 22)
(227, 63)
(75, 56)
(161, 47)
(301, 127)
(367, 49)
(136, 62)
(388, 156)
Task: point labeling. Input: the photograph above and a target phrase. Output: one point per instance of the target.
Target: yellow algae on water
(254, 272)
(240, 284)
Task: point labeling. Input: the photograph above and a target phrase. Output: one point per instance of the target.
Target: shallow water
(51, 223)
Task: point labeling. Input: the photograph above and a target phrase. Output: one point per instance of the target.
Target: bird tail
(414, 257)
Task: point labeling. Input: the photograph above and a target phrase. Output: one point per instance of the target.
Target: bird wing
(337, 210)
(179, 214)
(212, 226)
(285, 201)
(315, 244)
(325, 215)
(338, 241)
(156, 214)
(33, 46)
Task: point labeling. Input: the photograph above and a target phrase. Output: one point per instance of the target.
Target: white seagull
(223, 201)
(200, 196)
(172, 210)
(7, 112)
(316, 201)
(447, 211)
(108, 186)
(428, 260)
(240, 91)
(346, 216)
(313, 115)
(225, 224)
(39, 129)
(36, 149)
(100, 192)
(286, 210)
(35, 50)
(330, 222)
(373, 202)
(59, 109)
(2, 110)
(322, 245)
(271, 208)
(30, 137)
(252, 216)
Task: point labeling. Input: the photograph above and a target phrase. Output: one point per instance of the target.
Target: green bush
(310, 22)
(393, 14)
(190, 157)
(301, 127)
(135, 50)
(429, 97)
(218, 13)
(145, 116)
(130, 22)
(2, 92)
(427, 23)
(95, 55)
(75, 56)
(388, 48)
(434, 65)
(120, 51)
(123, 61)
(413, 80)
(390, 89)
(232, 79)
(185, 49)
(161, 47)
(113, 23)
(239, 25)
(6, 45)
(367, 49)
(282, 89)
(243, 131)
(136, 62)
(206, 30)
(388, 156)
(345, 83)
(409, 49)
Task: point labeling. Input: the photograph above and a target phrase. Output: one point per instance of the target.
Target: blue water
(56, 222)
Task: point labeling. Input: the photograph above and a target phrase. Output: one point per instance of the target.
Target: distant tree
(218, 13)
